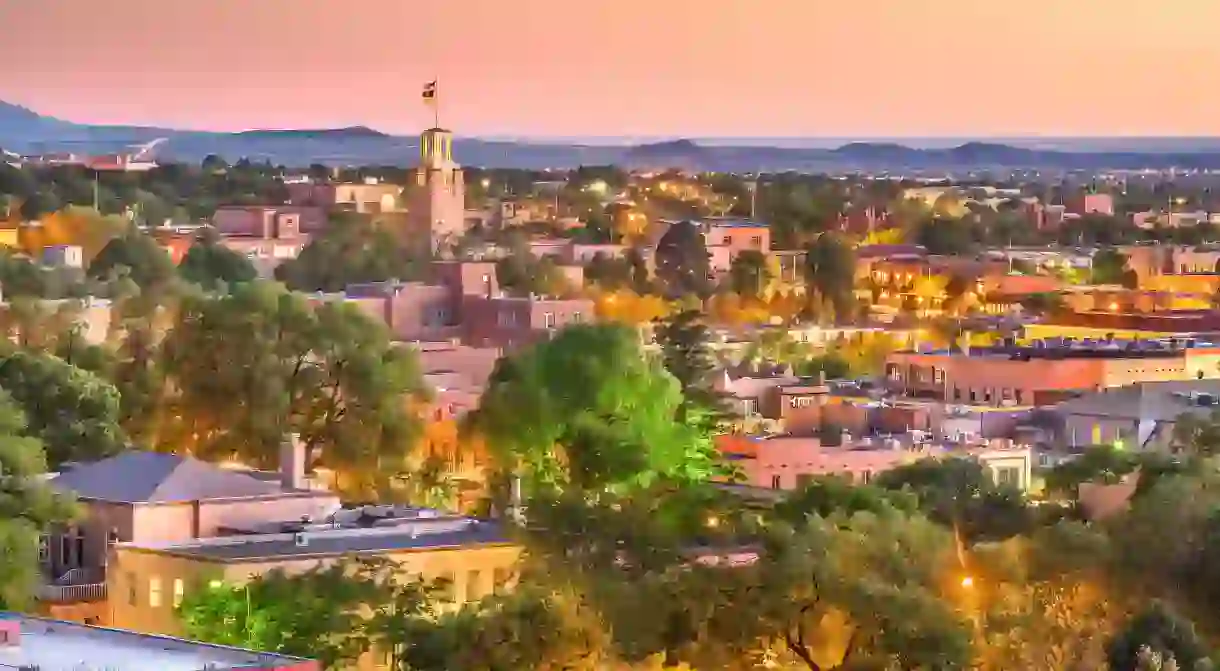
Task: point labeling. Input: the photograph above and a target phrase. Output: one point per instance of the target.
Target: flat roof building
(53, 645)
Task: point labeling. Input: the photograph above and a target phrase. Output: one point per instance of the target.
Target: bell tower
(436, 194)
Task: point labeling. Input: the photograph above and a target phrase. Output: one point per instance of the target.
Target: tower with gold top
(436, 195)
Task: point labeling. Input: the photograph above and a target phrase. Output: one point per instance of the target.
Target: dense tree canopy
(74, 413)
(589, 408)
(28, 506)
(212, 265)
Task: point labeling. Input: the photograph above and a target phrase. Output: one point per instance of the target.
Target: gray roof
(1146, 401)
(154, 477)
(279, 546)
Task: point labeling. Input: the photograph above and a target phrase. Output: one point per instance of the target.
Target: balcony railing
(72, 593)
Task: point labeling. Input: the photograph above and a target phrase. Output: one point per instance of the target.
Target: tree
(830, 270)
(352, 250)
(1197, 435)
(521, 274)
(827, 497)
(532, 628)
(74, 413)
(685, 353)
(609, 273)
(252, 366)
(946, 235)
(212, 265)
(589, 409)
(331, 613)
(682, 262)
(135, 255)
(1160, 631)
(960, 494)
(1110, 267)
(28, 506)
(749, 274)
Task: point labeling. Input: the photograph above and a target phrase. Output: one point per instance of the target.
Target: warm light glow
(1114, 306)
(486, 183)
(713, 521)
(215, 584)
(968, 581)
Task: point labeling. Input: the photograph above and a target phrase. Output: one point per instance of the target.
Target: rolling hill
(25, 131)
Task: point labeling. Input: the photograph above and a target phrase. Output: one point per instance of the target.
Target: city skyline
(544, 68)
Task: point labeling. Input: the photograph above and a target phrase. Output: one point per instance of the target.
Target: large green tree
(589, 408)
(251, 366)
(28, 506)
(352, 250)
(72, 411)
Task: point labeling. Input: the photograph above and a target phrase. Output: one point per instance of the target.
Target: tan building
(436, 195)
(1044, 373)
(370, 197)
(151, 497)
(147, 581)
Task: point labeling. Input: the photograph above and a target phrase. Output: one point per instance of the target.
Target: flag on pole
(429, 93)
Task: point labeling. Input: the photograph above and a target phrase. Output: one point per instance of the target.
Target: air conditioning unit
(300, 540)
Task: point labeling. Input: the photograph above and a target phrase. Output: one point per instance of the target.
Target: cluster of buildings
(158, 527)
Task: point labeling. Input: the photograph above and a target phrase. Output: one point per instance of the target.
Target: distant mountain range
(26, 132)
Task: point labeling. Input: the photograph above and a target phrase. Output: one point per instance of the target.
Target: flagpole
(436, 102)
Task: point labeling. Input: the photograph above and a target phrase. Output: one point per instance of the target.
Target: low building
(268, 221)
(52, 645)
(1140, 416)
(789, 462)
(1045, 372)
(474, 556)
(151, 497)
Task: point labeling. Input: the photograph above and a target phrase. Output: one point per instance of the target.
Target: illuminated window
(179, 591)
(474, 590)
(154, 592)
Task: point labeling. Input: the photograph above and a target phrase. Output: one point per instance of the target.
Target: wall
(473, 570)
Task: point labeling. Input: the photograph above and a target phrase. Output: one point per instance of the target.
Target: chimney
(292, 463)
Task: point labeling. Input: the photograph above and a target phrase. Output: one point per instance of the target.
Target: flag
(430, 91)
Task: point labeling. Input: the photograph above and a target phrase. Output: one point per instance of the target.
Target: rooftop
(137, 476)
(362, 533)
(51, 645)
(1068, 348)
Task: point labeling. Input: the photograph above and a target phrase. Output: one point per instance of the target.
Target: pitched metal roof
(153, 477)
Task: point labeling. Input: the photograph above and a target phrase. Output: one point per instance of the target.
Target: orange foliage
(628, 307)
(441, 439)
(72, 226)
(735, 310)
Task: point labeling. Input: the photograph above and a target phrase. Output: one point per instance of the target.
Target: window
(154, 592)
(501, 576)
(133, 589)
(179, 591)
(866, 477)
(548, 320)
(448, 590)
(1008, 476)
(775, 483)
(474, 590)
(756, 240)
(576, 317)
(44, 549)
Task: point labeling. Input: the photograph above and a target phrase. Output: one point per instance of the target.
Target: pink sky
(625, 67)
